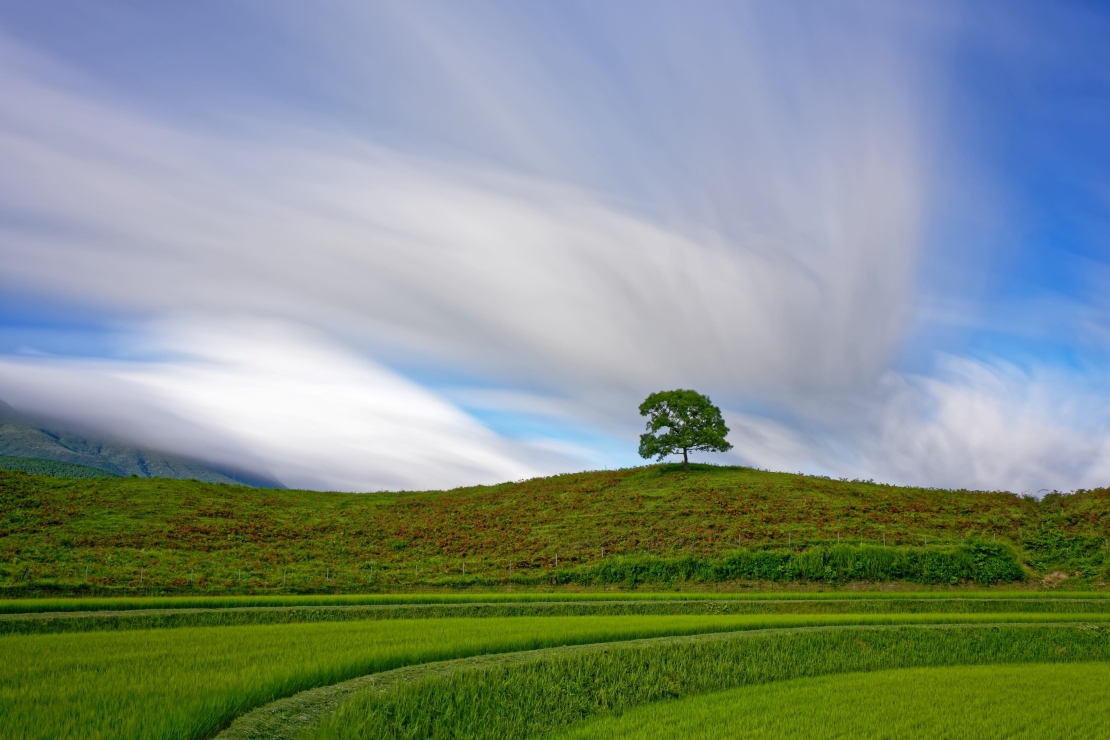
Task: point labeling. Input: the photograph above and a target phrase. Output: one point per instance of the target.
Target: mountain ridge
(28, 437)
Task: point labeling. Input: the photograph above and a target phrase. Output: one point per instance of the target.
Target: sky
(395, 245)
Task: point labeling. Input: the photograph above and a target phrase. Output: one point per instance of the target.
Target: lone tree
(691, 422)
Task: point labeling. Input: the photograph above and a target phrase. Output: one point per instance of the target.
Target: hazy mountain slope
(53, 468)
(21, 436)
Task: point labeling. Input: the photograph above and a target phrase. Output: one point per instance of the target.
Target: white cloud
(740, 214)
(272, 398)
(990, 426)
(511, 276)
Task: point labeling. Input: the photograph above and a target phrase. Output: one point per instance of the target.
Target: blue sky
(383, 245)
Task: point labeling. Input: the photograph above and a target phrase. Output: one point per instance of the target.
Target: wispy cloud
(278, 400)
(550, 212)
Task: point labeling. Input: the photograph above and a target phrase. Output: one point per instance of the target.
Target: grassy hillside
(53, 468)
(669, 525)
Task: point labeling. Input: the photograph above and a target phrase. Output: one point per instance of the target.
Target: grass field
(187, 682)
(124, 603)
(654, 524)
(30, 617)
(914, 704)
(531, 699)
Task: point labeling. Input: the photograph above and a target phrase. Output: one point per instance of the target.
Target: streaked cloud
(281, 401)
(447, 216)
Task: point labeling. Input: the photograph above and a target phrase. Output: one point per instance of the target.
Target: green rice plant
(88, 621)
(125, 603)
(1016, 702)
(84, 621)
(188, 682)
(543, 696)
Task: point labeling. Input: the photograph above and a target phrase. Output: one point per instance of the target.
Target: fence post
(86, 572)
(140, 575)
(283, 577)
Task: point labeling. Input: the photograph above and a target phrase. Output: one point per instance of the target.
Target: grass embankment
(923, 703)
(35, 617)
(126, 603)
(185, 683)
(534, 698)
(661, 522)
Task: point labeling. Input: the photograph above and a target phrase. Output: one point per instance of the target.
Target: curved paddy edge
(327, 712)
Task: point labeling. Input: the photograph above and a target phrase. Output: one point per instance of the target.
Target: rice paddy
(926, 703)
(555, 692)
(188, 682)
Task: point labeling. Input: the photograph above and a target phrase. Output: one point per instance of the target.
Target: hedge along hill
(655, 524)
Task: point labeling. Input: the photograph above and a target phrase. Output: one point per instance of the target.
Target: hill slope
(194, 535)
(21, 436)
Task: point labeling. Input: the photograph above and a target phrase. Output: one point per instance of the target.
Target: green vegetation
(526, 699)
(982, 563)
(51, 622)
(926, 703)
(159, 608)
(38, 466)
(622, 528)
(127, 603)
(187, 682)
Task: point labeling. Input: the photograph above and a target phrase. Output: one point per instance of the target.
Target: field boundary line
(92, 613)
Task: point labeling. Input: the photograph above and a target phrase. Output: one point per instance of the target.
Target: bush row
(981, 563)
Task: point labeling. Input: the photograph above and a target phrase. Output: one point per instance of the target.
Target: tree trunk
(685, 462)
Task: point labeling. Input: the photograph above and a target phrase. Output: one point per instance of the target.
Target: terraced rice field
(503, 668)
(925, 703)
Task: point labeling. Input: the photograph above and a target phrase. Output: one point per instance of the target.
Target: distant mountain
(22, 436)
(39, 466)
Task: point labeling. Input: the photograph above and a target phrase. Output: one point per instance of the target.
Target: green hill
(657, 524)
(38, 466)
(22, 436)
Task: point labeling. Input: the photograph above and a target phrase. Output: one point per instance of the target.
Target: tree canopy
(681, 421)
